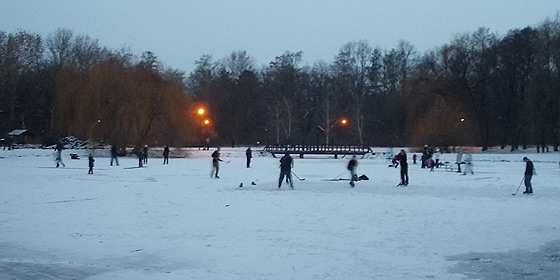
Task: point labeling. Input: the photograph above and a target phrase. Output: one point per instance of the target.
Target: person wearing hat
(529, 172)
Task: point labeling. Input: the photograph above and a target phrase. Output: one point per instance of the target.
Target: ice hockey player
(352, 164)
(216, 163)
(286, 164)
(529, 172)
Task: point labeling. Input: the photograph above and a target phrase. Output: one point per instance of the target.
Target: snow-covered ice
(175, 222)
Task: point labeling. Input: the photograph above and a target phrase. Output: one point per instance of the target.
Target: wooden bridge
(319, 150)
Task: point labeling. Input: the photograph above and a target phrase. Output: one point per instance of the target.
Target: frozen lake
(175, 222)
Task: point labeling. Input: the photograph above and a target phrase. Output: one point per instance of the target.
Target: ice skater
(216, 163)
(249, 155)
(404, 168)
(286, 165)
(529, 172)
(59, 148)
(114, 155)
(91, 161)
(166, 154)
(145, 154)
(352, 165)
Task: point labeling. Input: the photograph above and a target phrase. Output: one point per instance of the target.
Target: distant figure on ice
(437, 154)
(138, 152)
(207, 145)
(352, 165)
(529, 172)
(395, 161)
(414, 157)
(145, 154)
(249, 155)
(430, 164)
(216, 163)
(114, 155)
(468, 164)
(91, 161)
(286, 164)
(58, 149)
(404, 168)
(166, 154)
(459, 160)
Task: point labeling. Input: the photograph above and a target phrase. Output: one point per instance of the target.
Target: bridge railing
(319, 149)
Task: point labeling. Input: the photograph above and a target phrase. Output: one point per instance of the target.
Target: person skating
(249, 155)
(91, 161)
(352, 165)
(414, 157)
(286, 164)
(59, 147)
(114, 155)
(404, 168)
(216, 163)
(166, 154)
(529, 172)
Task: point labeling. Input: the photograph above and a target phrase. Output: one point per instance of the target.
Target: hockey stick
(301, 179)
(519, 186)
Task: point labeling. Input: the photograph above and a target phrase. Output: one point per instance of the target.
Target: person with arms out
(404, 168)
(529, 172)
(286, 165)
(352, 165)
(216, 163)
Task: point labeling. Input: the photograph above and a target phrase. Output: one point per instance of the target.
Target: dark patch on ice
(24, 264)
(518, 264)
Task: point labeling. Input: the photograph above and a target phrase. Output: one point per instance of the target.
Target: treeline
(69, 85)
(480, 89)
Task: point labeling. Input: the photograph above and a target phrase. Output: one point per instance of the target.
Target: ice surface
(175, 222)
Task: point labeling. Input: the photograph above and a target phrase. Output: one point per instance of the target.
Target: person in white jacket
(468, 164)
(459, 160)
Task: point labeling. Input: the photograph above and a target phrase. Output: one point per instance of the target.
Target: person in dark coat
(114, 155)
(352, 165)
(91, 161)
(286, 164)
(249, 155)
(216, 163)
(529, 172)
(138, 152)
(404, 168)
(166, 154)
(145, 154)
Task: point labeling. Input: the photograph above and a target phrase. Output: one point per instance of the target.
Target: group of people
(287, 163)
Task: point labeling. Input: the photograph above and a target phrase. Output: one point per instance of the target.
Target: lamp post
(343, 122)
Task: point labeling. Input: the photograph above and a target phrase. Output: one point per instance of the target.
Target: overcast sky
(179, 32)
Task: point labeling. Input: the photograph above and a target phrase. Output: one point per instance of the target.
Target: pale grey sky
(179, 32)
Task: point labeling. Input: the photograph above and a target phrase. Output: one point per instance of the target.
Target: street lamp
(327, 130)
(200, 111)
